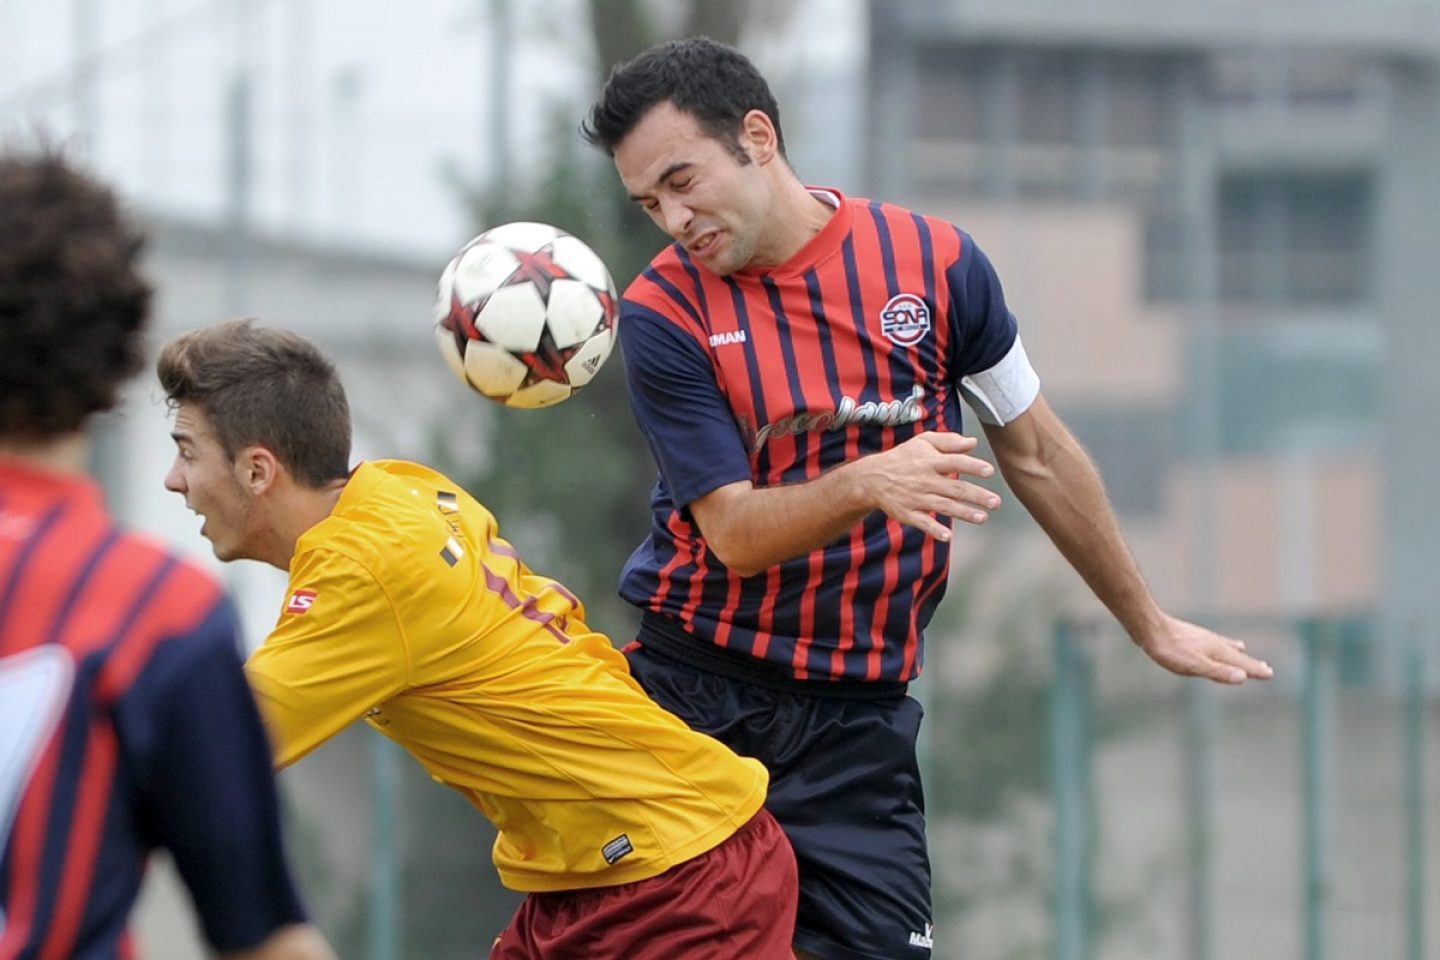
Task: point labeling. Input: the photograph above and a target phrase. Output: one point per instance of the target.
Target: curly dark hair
(712, 82)
(73, 303)
(263, 386)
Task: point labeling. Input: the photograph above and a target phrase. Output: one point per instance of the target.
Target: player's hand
(924, 478)
(1193, 651)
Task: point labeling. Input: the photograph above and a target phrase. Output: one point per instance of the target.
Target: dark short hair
(712, 82)
(267, 387)
(73, 303)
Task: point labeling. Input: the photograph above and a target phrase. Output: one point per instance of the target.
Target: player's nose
(174, 482)
(676, 216)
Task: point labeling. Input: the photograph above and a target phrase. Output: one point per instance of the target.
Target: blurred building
(1218, 222)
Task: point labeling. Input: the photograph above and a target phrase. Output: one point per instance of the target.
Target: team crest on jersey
(905, 319)
(300, 601)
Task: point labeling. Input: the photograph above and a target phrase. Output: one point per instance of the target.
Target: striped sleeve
(982, 326)
(192, 734)
(685, 418)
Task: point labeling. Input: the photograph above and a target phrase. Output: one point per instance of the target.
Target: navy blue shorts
(845, 786)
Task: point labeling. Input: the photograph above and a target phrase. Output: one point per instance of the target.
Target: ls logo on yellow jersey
(300, 601)
(905, 319)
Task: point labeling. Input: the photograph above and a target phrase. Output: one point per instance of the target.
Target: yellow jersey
(406, 608)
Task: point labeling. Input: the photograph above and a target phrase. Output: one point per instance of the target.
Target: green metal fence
(1084, 805)
(1363, 803)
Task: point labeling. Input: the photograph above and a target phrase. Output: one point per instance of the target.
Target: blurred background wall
(1218, 222)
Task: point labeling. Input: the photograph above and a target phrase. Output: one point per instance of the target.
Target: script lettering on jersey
(34, 688)
(889, 413)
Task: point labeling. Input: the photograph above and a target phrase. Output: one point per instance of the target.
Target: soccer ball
(525, 314)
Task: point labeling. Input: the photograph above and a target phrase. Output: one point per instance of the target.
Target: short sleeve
(992, 371)
(336, 651)
(190, 733)
(982, 328)
(680, 408)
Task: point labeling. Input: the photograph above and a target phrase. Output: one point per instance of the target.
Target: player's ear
(758, 137)
(258, 469)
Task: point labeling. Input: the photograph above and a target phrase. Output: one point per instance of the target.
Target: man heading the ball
(405, 608)
(796, 362)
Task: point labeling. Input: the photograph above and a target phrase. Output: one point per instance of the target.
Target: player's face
(212, 486)
(696, 189)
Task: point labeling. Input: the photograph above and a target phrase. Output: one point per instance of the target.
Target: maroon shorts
(736, 900)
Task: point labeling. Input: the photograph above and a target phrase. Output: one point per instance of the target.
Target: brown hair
(263, 386)
(73, 304)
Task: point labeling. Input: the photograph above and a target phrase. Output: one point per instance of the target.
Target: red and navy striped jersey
(126, 724)
(854, 345)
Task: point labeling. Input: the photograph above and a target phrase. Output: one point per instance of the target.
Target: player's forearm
(1060, 487)
(754, 528)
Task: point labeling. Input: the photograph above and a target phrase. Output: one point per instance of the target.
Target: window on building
(1136, 105)
(949, 96)
(1299, 386)
(1295, 239)
(1047, 91)
(1265, 77)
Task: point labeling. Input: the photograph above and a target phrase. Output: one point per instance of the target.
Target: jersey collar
(821, 246)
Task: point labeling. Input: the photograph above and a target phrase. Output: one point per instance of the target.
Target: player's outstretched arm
(298, 941)
(753, 528)
(1053, 477)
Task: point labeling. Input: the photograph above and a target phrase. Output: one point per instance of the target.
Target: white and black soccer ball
(525, 314)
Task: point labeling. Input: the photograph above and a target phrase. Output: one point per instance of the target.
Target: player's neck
(69, 453)
(797, 218)
(294, 513)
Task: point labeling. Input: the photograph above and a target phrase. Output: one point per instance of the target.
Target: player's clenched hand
(925, 478)
(1193, 651)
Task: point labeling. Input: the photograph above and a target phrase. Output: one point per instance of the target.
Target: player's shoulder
(666, 284)
(665, 305)
(387, 510)
(412, 488)
(940, 229)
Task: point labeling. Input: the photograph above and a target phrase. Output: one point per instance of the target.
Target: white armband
(1005, 391)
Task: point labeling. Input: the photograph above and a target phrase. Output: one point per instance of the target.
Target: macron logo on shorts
(300, 601)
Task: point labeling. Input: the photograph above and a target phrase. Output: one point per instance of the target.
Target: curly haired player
(126, 724)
